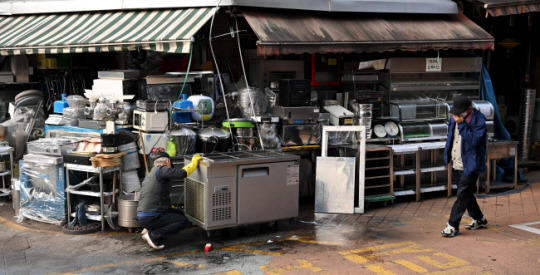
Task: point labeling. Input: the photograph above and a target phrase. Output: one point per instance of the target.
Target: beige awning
(294, 32)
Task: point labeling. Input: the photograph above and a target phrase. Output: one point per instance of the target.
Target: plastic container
(59, 105)
(204, 107)
(181, 111)
(171, 147)
(130, 160)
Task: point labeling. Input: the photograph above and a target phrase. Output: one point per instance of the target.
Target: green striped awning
(169, 30)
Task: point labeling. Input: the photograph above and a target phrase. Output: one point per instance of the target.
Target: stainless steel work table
(416, 148)
(98, 170)
(498, 150)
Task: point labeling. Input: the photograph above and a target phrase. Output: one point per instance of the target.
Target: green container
(239, 123)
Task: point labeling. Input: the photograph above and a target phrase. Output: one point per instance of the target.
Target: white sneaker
(449, 231)
(148, 240)
(477, 224)
(145, 231)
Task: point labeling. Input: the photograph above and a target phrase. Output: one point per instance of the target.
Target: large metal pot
(213, 140)
(127, 211)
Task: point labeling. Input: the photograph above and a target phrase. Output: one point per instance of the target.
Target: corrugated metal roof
(374, 6)
(509, 7)
(286, 32)
(157, 30)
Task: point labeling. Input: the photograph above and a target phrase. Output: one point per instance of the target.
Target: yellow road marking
(454, 261)
(410, 247)
(230, 272)
(185, 264)
(414, 267)
(278, 271)
(253, 251)
(379, 269)
(304, 240)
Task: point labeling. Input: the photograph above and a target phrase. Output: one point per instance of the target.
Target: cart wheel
(130, 230)
(385, 203)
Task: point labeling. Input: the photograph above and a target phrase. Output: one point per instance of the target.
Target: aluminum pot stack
(364, 115)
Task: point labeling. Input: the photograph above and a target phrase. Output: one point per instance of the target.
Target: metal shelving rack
(101, 194)
(379, 182)
(6, 191)
(416, 149)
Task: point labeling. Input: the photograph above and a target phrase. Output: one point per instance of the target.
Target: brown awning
(296, 32)
(509, 7)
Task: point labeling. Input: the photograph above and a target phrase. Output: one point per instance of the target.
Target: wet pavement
(401, 238)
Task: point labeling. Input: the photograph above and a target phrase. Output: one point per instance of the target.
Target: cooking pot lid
(213, 132)
(239, 123)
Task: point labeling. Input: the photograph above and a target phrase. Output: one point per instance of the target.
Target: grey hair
(160, 160)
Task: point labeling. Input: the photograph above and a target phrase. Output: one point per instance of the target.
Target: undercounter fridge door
(267, 192)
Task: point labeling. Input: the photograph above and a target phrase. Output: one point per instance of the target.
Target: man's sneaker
(145, 231)
(477, 224)
(450, 231)
(147, 238)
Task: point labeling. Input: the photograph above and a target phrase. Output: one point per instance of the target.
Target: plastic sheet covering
(17, 127)
(185, 139)
(42, 189)
(253, 102)
(270, 97)
(269, 135)
(340, 138)
(76, 101)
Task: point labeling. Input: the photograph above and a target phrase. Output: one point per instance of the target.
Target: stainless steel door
(267, 192)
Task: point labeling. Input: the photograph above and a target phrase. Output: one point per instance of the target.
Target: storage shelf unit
(417, 150)
(6, 188)
(101, 194)
(379, 182)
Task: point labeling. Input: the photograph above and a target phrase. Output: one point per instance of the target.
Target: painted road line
(304, 264)
(526, 227)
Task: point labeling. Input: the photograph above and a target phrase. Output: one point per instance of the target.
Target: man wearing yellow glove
(154, 211)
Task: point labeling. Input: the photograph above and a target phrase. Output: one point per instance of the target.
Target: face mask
(464, 114)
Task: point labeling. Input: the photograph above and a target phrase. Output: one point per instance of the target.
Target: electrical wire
(247, 84)
(219, 73)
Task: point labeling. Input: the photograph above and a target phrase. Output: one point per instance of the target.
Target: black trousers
(465, 200)
(164, 224)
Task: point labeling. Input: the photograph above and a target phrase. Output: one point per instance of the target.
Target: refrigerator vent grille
(195, 199)
(221, 199)
(221, 214)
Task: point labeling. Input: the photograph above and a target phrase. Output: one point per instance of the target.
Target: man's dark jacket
(473, 143)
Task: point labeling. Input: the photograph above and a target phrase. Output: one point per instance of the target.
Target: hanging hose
(188, 66)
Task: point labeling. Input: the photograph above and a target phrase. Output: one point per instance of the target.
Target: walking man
(466, 148)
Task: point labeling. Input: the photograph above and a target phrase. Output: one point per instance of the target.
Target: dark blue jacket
(473, 143)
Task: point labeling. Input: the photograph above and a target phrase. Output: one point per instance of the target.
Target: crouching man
(154, 211)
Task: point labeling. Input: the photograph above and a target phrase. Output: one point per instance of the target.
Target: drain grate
(13, 244)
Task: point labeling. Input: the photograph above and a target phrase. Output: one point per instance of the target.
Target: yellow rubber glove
(193, 165)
